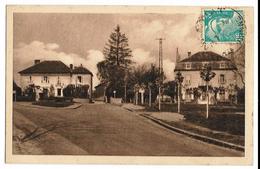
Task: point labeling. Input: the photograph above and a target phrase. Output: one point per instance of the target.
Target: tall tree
(112, 70)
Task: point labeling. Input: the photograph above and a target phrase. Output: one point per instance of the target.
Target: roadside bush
(233, 123)
(55, 102)
(28, 95)
(76, 91)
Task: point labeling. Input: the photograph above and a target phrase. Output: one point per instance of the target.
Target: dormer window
(222, 65)
(188, 65)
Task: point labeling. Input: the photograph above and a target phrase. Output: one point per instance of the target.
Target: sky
(80, 38)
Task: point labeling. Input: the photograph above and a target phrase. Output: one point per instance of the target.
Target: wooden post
(142, 98)
(207, 111)
(179, 102)
(125, 93)
(159, 98)
(150, 97)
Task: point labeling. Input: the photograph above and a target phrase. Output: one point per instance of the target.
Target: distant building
(222, 86)
(99, 92)
(56, 75)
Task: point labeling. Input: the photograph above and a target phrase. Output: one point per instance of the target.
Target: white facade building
(54, 75)
(222, 86)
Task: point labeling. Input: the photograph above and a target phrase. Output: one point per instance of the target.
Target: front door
(45, 93)
(59, 92)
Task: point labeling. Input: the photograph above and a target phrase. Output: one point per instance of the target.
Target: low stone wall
(116, 100)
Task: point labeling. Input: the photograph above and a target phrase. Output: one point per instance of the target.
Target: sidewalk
(176, 122)
(133, 107)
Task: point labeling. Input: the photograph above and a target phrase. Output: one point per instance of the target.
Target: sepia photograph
(122, 82)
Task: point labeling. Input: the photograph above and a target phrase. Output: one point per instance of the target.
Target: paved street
(104, 129)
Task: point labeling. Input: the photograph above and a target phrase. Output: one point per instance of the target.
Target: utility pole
(160, 69)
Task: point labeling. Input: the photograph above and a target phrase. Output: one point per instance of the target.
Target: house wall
(37, 79)
(59, 81)
(86, 79)
(192, 79)
(195, 79)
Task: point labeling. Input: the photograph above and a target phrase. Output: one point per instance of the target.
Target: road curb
(196, 136)
(75, 106)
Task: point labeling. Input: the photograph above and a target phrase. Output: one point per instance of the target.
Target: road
(103, 129)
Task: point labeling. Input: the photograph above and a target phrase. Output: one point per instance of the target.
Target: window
(45, 79)
(79, 79)
(222, 79)
(187, 79)
(58, 82)
(205, 64)
(188, 65)
(222, 65)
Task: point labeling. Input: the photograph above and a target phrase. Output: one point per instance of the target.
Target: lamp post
(114, 93)
(179, 79)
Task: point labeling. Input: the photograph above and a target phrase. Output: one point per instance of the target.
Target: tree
(207, 74)
(146, 76)
(170, 89)
(237, 58)
(112, 70)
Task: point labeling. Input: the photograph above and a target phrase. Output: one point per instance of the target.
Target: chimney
(189, 54)
(71, 66)
(178, 57)
(36, 61)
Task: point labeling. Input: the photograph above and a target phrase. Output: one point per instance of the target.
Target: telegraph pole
(160, 68)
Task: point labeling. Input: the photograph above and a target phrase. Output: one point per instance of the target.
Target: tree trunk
(125, 93)
(150, 97)
(159, 99)
(207, 92)
(179, 102)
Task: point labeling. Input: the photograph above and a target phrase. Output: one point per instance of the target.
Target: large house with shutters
(56, 75)
(222, 86)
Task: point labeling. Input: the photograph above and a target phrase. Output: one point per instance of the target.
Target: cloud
(140, 57)
(92, 58)
(52, 46)
(25, 54)
(168, 68)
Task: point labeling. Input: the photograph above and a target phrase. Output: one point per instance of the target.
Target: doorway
(58, 92)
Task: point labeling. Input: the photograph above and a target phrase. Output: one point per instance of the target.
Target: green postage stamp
(223, 26)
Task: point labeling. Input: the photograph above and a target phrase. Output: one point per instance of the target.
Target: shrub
(80, 91)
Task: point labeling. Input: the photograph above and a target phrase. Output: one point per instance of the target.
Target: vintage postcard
(129, 85)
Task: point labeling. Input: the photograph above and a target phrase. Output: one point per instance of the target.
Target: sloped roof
(81, 70)
(47, 67)
(205, 56)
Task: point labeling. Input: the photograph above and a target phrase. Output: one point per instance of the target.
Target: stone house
(222, 86)
(53, 75)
